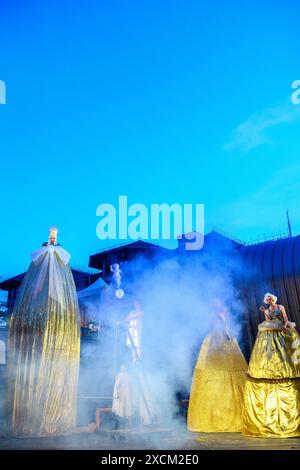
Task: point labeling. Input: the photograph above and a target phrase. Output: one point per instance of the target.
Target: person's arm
(284, 315)
(223, 316)
(130, 316)
(135, 315)
(265, 312)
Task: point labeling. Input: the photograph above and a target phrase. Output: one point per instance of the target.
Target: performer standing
(272, 391)
(134, 336)
(123, 395)
(44, 346)
(216, 397)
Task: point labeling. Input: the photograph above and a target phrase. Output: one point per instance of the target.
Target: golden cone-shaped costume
(216, 397)
(272, 390)
(44, 347)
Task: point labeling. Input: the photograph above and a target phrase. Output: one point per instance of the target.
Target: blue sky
(174, 101)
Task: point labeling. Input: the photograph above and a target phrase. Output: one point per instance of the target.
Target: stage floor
(158, 440)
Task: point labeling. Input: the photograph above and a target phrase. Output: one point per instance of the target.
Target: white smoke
(176, 297)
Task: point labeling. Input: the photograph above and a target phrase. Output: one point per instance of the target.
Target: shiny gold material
(44, 347)
(216, 398)
(272, 390)
(272, 381)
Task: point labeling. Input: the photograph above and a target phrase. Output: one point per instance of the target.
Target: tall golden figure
(216, 398)
(44, 346)
(272, 390)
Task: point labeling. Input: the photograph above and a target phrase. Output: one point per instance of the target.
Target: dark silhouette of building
(82, 277)
(272, 266)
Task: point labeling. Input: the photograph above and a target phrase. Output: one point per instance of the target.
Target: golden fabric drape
(43, 352)
(272, 390)
(216, 397)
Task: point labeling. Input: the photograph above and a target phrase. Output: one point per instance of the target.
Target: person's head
(137, 305)
(115, 267)
(270, 299)
(53, 236)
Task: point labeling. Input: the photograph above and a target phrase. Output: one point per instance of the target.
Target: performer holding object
(134, 336)
(216, 397)
(272, 390)
(44, 346)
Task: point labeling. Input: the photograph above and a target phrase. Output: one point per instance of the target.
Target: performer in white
(134, 336)
(117, 274)
(132, 397)
(122, 397)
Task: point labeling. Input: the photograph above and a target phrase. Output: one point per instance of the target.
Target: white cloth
(146, 408)
(61, 253)
(132, 395)
(2, 353)
(122, 397)
(135, 331)
(49, 257)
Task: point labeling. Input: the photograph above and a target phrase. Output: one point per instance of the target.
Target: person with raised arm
(272, 390)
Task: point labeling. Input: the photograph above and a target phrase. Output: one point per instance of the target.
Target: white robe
(123, 397)
(135, 331)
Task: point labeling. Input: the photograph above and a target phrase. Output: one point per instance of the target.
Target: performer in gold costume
(216, 398)
(272, 390)
(44, 346)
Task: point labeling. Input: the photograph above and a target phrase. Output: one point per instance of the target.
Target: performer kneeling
(272, 391)
(216, 398)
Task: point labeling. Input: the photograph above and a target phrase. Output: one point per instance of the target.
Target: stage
(158, 440)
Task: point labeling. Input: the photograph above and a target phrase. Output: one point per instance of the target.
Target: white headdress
(53, 234)
(269, 295)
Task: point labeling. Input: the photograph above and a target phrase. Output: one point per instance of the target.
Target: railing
(265, 238)
(113, 247)
(226, 234)
(269, 238)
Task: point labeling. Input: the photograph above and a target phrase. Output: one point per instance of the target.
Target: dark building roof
(125, 252)
(83, 278)
(216, 248)
(213, 241)
(12, 282)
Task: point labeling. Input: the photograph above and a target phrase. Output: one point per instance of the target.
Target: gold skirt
(216, 397)
(272, 390)
(43, 357)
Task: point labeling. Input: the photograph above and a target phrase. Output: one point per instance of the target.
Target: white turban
(270, 295)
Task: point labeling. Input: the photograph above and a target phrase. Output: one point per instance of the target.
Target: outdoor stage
(158, 440)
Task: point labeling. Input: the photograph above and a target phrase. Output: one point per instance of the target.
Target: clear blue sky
(162, 101)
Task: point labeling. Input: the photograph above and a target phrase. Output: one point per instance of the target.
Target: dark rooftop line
(123, 245)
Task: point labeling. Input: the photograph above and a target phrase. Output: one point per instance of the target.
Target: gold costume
(216, 397)
(44, 347)
(272, 390)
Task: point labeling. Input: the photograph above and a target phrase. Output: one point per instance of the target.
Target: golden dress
(272, 390)
(44, 348)
(216, 397)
